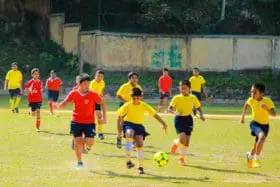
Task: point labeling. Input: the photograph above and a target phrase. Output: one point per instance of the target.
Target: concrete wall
(123, 51)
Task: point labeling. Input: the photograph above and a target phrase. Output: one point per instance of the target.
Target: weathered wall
(122, 51)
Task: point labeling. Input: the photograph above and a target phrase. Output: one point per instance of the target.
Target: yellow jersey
(125, 89)
(135, 113)
(14, 77)
(184, 104)
(97, 87)
(259, 114)
(196, 83)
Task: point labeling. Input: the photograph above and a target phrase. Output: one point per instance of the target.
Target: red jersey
(34, 88)
(84, 106)
(53, 84)
(165, 83)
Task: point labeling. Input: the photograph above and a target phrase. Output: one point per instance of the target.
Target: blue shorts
(35, 105)
(184, 124)
(53, 95)
(164, 95)
(78, 129)
(256, 128)
(98, 107)
(14, 92)
(197, 94)
(139, 129)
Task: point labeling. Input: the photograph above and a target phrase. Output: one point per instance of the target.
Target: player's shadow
(153, 176)
(115, 156)
(226, 170)
(55, 133)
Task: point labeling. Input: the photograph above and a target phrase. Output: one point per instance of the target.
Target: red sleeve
(28, 84)
(70, 97)
(97, 99)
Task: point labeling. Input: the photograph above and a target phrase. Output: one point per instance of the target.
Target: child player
(98, 85)
(165, 87)
(197, 82)
(132, 115)
(181, 105)
(123, 94)
(83, 116)
(53, 86)
(34, 89)
(262, 107)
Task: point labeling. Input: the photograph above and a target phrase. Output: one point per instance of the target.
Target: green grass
(217, 154)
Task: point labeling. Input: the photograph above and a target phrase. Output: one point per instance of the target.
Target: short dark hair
(165, 69)
(185, 82)
(14, 64)
(35, 70)
(196, 69)
(259, 86)
(130, 74)
(136, 92)
(53, 71)
(84, 77)
(100, 72)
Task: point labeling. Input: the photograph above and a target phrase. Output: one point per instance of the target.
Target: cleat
(256, 164)
(73, 145)
(174, 148)
(119, 142)
(51, 113)
(100, 136)
(182, 161)
(37, 130)
(129, 164)
(250, 163)
(140, 170)
(79, 165)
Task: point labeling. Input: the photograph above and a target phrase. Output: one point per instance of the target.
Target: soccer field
(216, 156)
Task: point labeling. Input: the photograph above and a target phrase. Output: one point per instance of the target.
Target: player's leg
(100, 126)
(161, 101)
(17, 100)
(129, 135)
(38, 119)
(50, 101)
(184, 143)
(139, 142)
(165, 102)
(12, 100)
(119, 129)
(89, 133)
(78, 150)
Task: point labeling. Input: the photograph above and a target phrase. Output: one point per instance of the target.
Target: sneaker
(140, 170)
(182, 161)
(37, 130)
(119, 142)
(16, 110)
(249, 163)
(79, 165)
(174, 148)
(129, 164)
(256, 164)
(100, 136)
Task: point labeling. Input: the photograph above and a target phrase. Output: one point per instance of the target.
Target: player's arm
(104, 111)
(6, 84)
(157, 117)
(200, 113)
(62, 104)
(172, 110)
(159, 86)
(121, 98)
(244, 112)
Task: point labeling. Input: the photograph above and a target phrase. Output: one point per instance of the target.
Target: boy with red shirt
(53, 85)
(83, 117)
(165, 88)
(34, 88)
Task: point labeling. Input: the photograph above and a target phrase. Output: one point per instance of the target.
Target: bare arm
(6, 84)
(161, 121)
(201, 114)
(172, 110)
(104, 111)
(205, 90)
(244, 112)
(61, 105)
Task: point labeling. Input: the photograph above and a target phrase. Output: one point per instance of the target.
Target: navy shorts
(78, 129)
(139, 129)
(97, 107)
(164, 95)
(14, 92)
(197, 94)
(256, 128)
(35, 105)
(53, 95)
(184, 124)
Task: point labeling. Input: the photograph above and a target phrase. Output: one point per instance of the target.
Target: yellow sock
(17, 102)
(140, 156)
(100, 128)
(12, 103)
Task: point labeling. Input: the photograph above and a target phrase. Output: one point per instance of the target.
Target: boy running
(132, 115)
(262, 107)
(34, 89)
(53, 86)
(83, 116)
(181, 105)
(165, 88)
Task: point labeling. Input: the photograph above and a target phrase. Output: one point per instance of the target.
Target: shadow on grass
(226, 170)
(115, 156)
(153, 177)
(56, 133)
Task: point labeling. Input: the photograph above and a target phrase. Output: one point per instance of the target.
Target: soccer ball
(160, 159)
